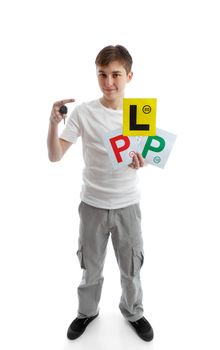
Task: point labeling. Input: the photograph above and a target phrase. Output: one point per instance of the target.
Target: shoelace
(78, 323)
(81, 321)
(141, 324)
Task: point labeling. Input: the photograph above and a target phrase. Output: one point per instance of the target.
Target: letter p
(149, 147)
(117, 150)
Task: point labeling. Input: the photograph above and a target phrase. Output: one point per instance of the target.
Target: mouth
(109, 90)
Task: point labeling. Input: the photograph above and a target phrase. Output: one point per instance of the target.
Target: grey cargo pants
(124, 225)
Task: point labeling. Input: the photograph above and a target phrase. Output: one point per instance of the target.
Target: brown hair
(114, 53)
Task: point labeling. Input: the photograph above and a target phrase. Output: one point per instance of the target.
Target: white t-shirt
(103, 186)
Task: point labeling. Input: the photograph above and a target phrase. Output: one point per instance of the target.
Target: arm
(56, 146)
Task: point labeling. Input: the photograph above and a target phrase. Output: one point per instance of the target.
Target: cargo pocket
(137, 261)
(81, 258)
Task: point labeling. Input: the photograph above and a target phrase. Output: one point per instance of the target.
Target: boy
(109, 198)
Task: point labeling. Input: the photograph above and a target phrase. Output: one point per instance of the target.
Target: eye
(115, 75)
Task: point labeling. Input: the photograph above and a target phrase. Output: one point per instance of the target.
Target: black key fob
(63, 109)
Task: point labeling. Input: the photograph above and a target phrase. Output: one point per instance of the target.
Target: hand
(137, 162)
(56, 116)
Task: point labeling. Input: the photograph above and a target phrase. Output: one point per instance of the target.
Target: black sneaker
(78, 326)
(143, 329)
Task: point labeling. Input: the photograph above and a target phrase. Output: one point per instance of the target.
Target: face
(112, 80)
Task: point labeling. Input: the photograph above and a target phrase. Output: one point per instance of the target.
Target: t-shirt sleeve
(72, 129)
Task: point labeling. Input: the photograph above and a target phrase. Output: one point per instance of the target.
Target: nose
(109, 81)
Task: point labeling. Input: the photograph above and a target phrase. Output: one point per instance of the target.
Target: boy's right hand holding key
(57, 147)
(57, 111)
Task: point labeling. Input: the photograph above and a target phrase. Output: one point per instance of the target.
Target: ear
(129, 76)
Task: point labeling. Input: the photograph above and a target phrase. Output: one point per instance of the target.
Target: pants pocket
(137, 261)
(81, 258)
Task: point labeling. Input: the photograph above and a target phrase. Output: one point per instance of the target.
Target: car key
(63, 110)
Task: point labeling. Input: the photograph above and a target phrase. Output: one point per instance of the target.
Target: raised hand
(57, 115)
(137, 162)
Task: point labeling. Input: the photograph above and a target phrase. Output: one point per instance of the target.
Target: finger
(140, 159)
(135, 161)
(63, 102)
(131, 165)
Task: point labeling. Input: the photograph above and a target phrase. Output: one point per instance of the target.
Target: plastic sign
(155, 149)
(139, 116)
(120, 148)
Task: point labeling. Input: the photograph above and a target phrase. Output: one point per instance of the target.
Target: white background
(48, 50)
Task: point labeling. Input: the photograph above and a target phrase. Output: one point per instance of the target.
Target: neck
(112, 104)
